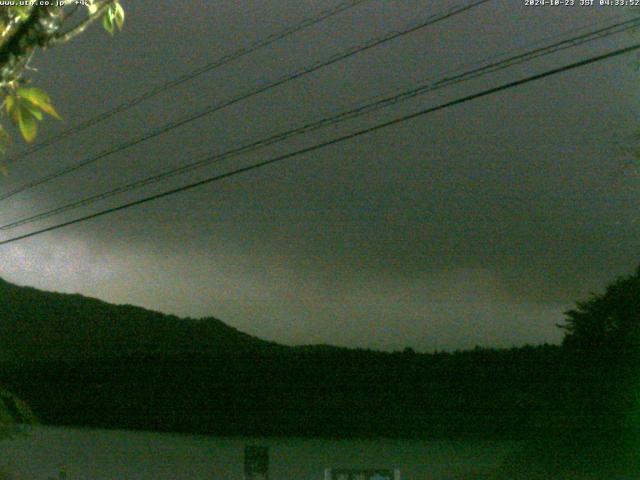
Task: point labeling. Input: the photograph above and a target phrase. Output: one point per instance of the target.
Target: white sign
(361, 474)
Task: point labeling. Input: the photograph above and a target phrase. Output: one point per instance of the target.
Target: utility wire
(432, 19)
(347, 115)
(224, 60)
(333, 141)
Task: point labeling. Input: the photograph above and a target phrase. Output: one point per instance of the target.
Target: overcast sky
(476, 225)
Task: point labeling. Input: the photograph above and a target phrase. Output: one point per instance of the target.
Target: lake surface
(114, 454)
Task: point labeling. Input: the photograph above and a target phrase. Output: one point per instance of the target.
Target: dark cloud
(479, 224)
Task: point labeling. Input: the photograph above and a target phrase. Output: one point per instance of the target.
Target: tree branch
(81, 27)
(13, 22)
(42, 23)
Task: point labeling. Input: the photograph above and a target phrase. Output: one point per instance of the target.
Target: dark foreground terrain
(80, 361)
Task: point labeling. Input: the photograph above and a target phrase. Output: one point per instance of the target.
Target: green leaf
(35, 112)
(118, 15)
(92, 7)
(113, 17)
(10, 106)
(39, 100)
(107, 22)
(27, 123)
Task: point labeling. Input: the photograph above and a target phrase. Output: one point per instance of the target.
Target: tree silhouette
(608, 321)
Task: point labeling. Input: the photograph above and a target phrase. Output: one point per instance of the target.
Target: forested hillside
(80, 361)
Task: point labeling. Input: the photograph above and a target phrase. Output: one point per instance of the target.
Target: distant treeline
(81, 361)
(336, 393)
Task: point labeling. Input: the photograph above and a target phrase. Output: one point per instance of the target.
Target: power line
(341, 117)
(598, 34)
(224, 60)
(334, 141)
(432, 19)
